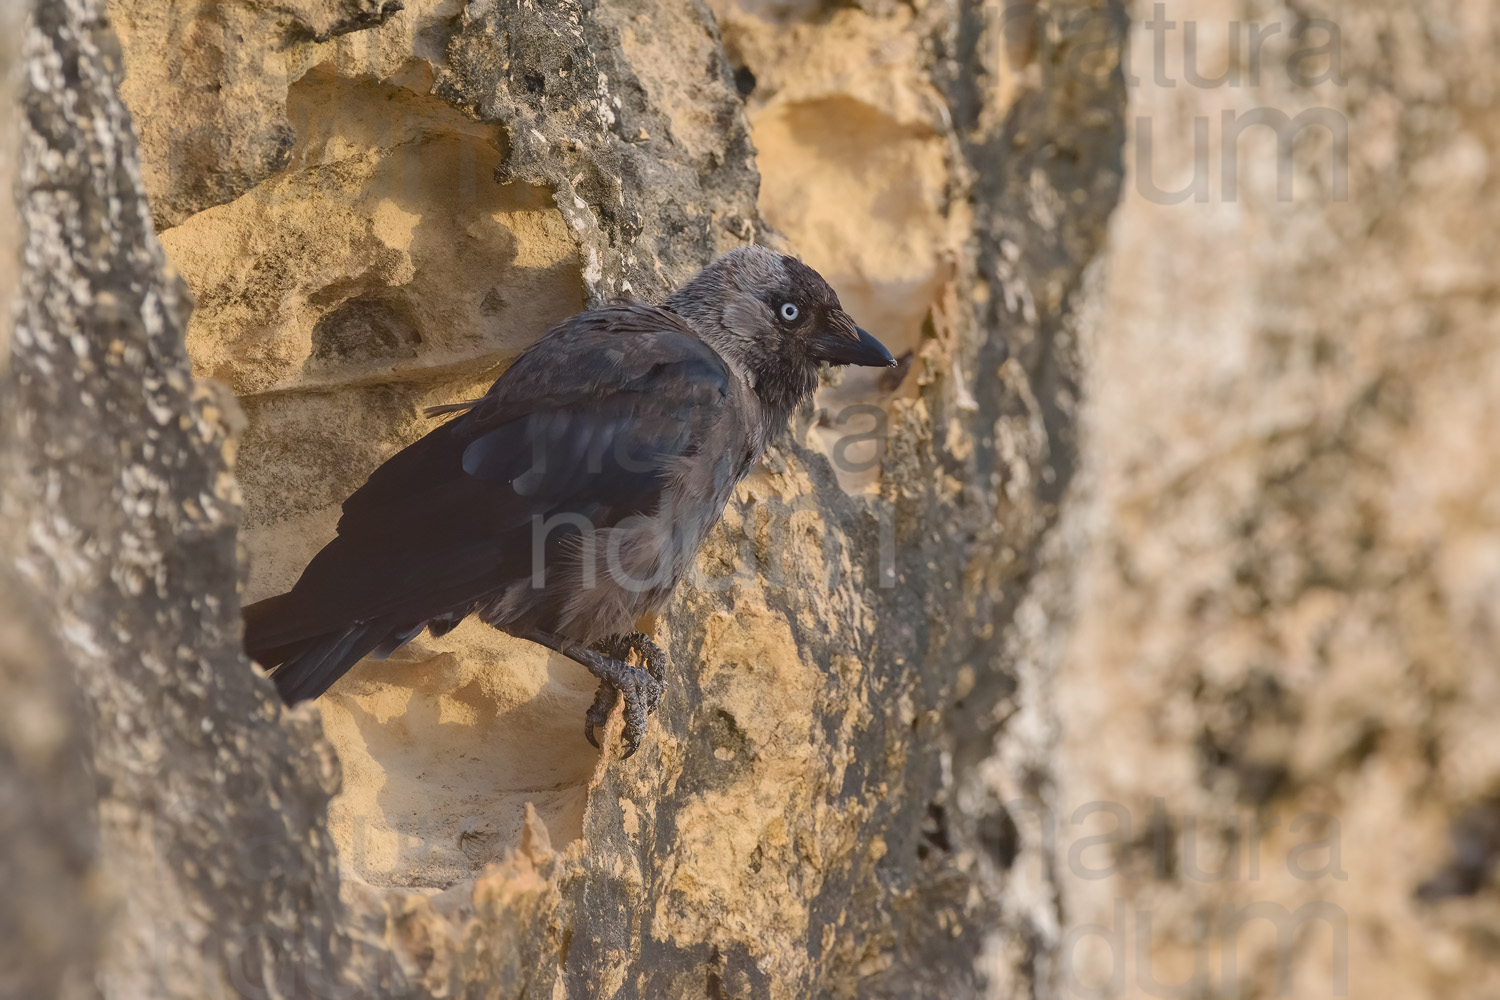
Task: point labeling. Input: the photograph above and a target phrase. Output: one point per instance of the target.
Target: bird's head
(775, 320)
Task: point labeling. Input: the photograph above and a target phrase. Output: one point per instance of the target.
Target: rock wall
(372, 208)
(119, 515)
(1136, 638)
(1280, 691)
(48, 916)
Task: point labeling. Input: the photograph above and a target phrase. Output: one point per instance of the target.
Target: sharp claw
(597, 716)
(635, 728)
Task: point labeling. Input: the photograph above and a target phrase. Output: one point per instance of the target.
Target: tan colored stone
(1288, 609)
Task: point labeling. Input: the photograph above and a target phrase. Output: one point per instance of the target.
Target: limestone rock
(1281, 673)
(1136, 635)
(374, 208)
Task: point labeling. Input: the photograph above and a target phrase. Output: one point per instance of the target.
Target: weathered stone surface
(1286, 627)
(1182, 503)
(49, 913)
(379, 221)
(208, 88)
(212, 847)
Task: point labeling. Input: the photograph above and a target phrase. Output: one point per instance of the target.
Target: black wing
(587, 424)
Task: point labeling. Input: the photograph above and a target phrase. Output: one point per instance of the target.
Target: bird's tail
(304, 666)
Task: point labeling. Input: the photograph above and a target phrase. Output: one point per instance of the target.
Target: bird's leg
(640, 688)
(604, 698)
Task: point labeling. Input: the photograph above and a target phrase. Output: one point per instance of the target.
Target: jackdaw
(566, 503)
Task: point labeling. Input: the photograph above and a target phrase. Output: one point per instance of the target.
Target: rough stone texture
(1288, 605)
(374, 209)
(50, 912)
(210, 100)
(210, 801)
(1164, 604)
(50, 916)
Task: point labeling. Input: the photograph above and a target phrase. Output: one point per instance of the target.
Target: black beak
(850, 345)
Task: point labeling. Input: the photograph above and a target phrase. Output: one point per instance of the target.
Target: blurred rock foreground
(1140, 641)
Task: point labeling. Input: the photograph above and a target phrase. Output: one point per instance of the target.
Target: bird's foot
(642, 691)
(639, 687)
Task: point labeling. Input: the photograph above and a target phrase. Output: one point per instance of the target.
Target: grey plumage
(568, 501)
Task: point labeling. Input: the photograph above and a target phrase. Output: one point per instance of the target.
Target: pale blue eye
(789, 311)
